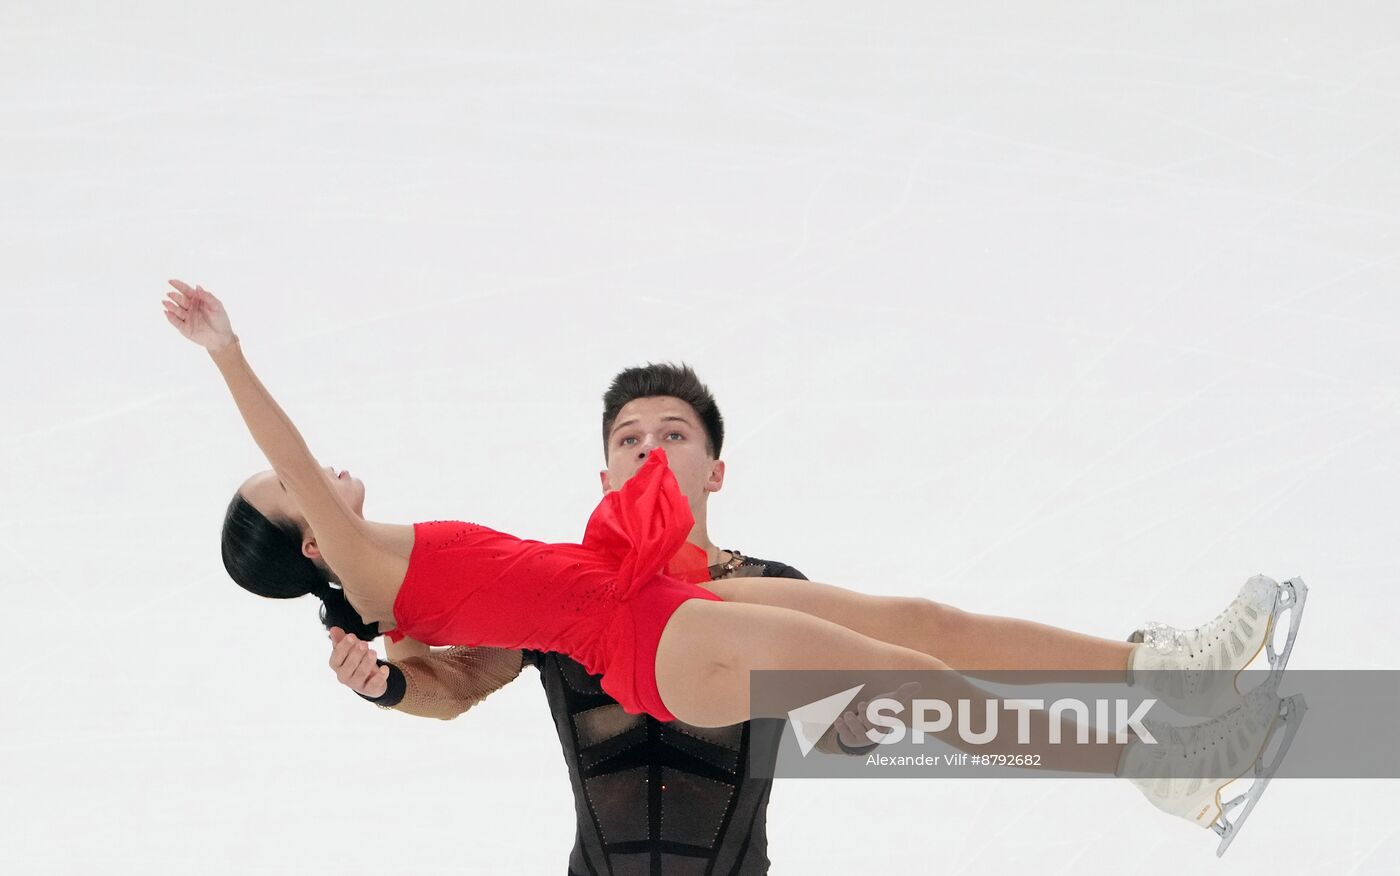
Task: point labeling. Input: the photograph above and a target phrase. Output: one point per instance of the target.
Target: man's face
(645, 424)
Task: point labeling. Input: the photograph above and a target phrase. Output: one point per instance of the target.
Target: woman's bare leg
(967, 642)
(709, 648)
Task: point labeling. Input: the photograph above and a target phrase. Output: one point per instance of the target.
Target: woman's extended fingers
(188, 300)
(178, 311)
(186, 296)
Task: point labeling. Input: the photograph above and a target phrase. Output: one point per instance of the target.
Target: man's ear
(309, 549)
(716, 479)
(607, 484)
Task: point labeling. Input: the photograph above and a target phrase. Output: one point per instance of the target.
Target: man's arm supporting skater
(430, 683)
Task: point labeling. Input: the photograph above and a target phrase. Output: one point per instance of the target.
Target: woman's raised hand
(199, 316)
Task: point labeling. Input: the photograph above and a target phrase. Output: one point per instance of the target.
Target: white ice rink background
(1083, 312)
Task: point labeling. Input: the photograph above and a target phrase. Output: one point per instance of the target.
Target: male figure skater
(711, 815)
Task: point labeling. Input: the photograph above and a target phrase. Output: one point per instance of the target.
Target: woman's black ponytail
(264, 557)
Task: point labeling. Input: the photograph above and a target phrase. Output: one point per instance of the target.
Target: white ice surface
(1078, 311)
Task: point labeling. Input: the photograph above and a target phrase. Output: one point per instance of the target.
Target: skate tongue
(1163, 638)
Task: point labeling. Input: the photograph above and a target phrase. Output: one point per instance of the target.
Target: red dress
(603, 603)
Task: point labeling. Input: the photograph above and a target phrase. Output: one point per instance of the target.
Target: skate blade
(1292, 595)
(1289, 597)
(1290, 716)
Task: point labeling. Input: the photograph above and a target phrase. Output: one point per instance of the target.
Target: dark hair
(264, 557)
(654, 379)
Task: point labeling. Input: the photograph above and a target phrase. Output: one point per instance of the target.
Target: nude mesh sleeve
(446, 683)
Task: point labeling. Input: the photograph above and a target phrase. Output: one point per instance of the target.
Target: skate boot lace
(1252, 604)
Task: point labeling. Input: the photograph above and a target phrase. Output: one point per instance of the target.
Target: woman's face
(265, 492)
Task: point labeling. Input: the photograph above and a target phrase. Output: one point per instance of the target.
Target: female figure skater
(679, 651)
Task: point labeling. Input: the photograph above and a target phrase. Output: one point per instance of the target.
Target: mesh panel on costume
(613, 799)
(692, 807)
(446, 683)
(720, 747)
(597, 725)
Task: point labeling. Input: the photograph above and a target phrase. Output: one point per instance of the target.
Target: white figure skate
(1188, 767)
(1196, 671)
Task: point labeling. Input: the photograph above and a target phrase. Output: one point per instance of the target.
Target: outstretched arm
(341, 535)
